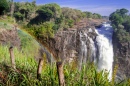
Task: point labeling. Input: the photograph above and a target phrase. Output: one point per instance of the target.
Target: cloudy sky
(103, 7)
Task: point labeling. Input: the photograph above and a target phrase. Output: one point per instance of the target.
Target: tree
(12, 8)
(123, 11)
(97, 16)
(3, 6)
(116, 18)
(25, 9)
(88, 14)
(121, 24)
(126, 24)
(49, 11)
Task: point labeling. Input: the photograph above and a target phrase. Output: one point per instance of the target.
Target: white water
(100, 50)
(83, 49)
(104, 59)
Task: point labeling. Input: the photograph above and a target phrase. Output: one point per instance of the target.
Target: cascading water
(100, 50)
(83, 49)
(104, 59)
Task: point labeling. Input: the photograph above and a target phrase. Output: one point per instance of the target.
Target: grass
(28, 44)
(5, 26)
(27, 71)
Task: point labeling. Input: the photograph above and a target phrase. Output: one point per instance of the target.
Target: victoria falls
(64, 43)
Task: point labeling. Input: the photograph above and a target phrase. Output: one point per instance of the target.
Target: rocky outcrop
(9, 37)
(122, 58)
(66, 44)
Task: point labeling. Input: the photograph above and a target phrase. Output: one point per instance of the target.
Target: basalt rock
(9, 37)
(66, 44)
(122, 58)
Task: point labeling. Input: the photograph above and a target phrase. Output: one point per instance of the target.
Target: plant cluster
(121, 22)
(26, 73)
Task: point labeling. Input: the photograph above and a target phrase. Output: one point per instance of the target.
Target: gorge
(85, 44)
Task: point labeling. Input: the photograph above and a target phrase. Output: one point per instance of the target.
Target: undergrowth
(26, 66)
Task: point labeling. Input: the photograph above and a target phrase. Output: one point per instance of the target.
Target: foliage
(27, 41)
(24, 11)
(43, 31)
(44, 20)
(97, 16)
(25, 75)
(121, 22)
(94, 15)
(3, 6)
(49, 11)
(5, 25)
(116, 18)
(18, 16)
(70, 17)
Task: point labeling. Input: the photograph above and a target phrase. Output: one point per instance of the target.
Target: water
(83, 49)
(100, 49)
(104, 59)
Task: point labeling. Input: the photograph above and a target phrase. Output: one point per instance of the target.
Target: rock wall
(121, 58)
(9, 37)
(66, 44)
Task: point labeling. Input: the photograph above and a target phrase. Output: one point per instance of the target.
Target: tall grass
(28, 44)
(26, 66)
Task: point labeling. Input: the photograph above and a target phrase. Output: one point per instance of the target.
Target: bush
(3, 6)
(44, 30)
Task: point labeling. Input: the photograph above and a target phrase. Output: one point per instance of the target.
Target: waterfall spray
(105, 49)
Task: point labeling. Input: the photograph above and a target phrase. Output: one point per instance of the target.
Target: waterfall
(83, 49)
(104, 59)
(100, 49)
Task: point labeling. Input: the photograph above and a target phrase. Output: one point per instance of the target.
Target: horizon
(105, 8)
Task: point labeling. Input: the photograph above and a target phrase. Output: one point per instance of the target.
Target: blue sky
(103, 7)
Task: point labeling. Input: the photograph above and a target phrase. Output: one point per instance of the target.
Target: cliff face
(122, 58)
(74, 43)
(68, 43)
(9, 37)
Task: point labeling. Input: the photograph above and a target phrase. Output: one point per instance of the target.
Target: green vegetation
(24, 11)
(3, 6)
(44, 21)
(94, 15)
(121, 23)
(27, 41)
(26, 66)
(5, 26)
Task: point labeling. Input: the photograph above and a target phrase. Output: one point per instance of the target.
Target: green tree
(126, 25)
(3, 6)
(97, 16)
(123, 11)
(25, 9)
(49, 11)
(116, 18)
(121, 24)
(88, 14)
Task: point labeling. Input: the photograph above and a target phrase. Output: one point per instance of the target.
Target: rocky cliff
(9, 37)
(67, 44)
(121, 58)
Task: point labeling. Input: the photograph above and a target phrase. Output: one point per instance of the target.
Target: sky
(103, 7)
